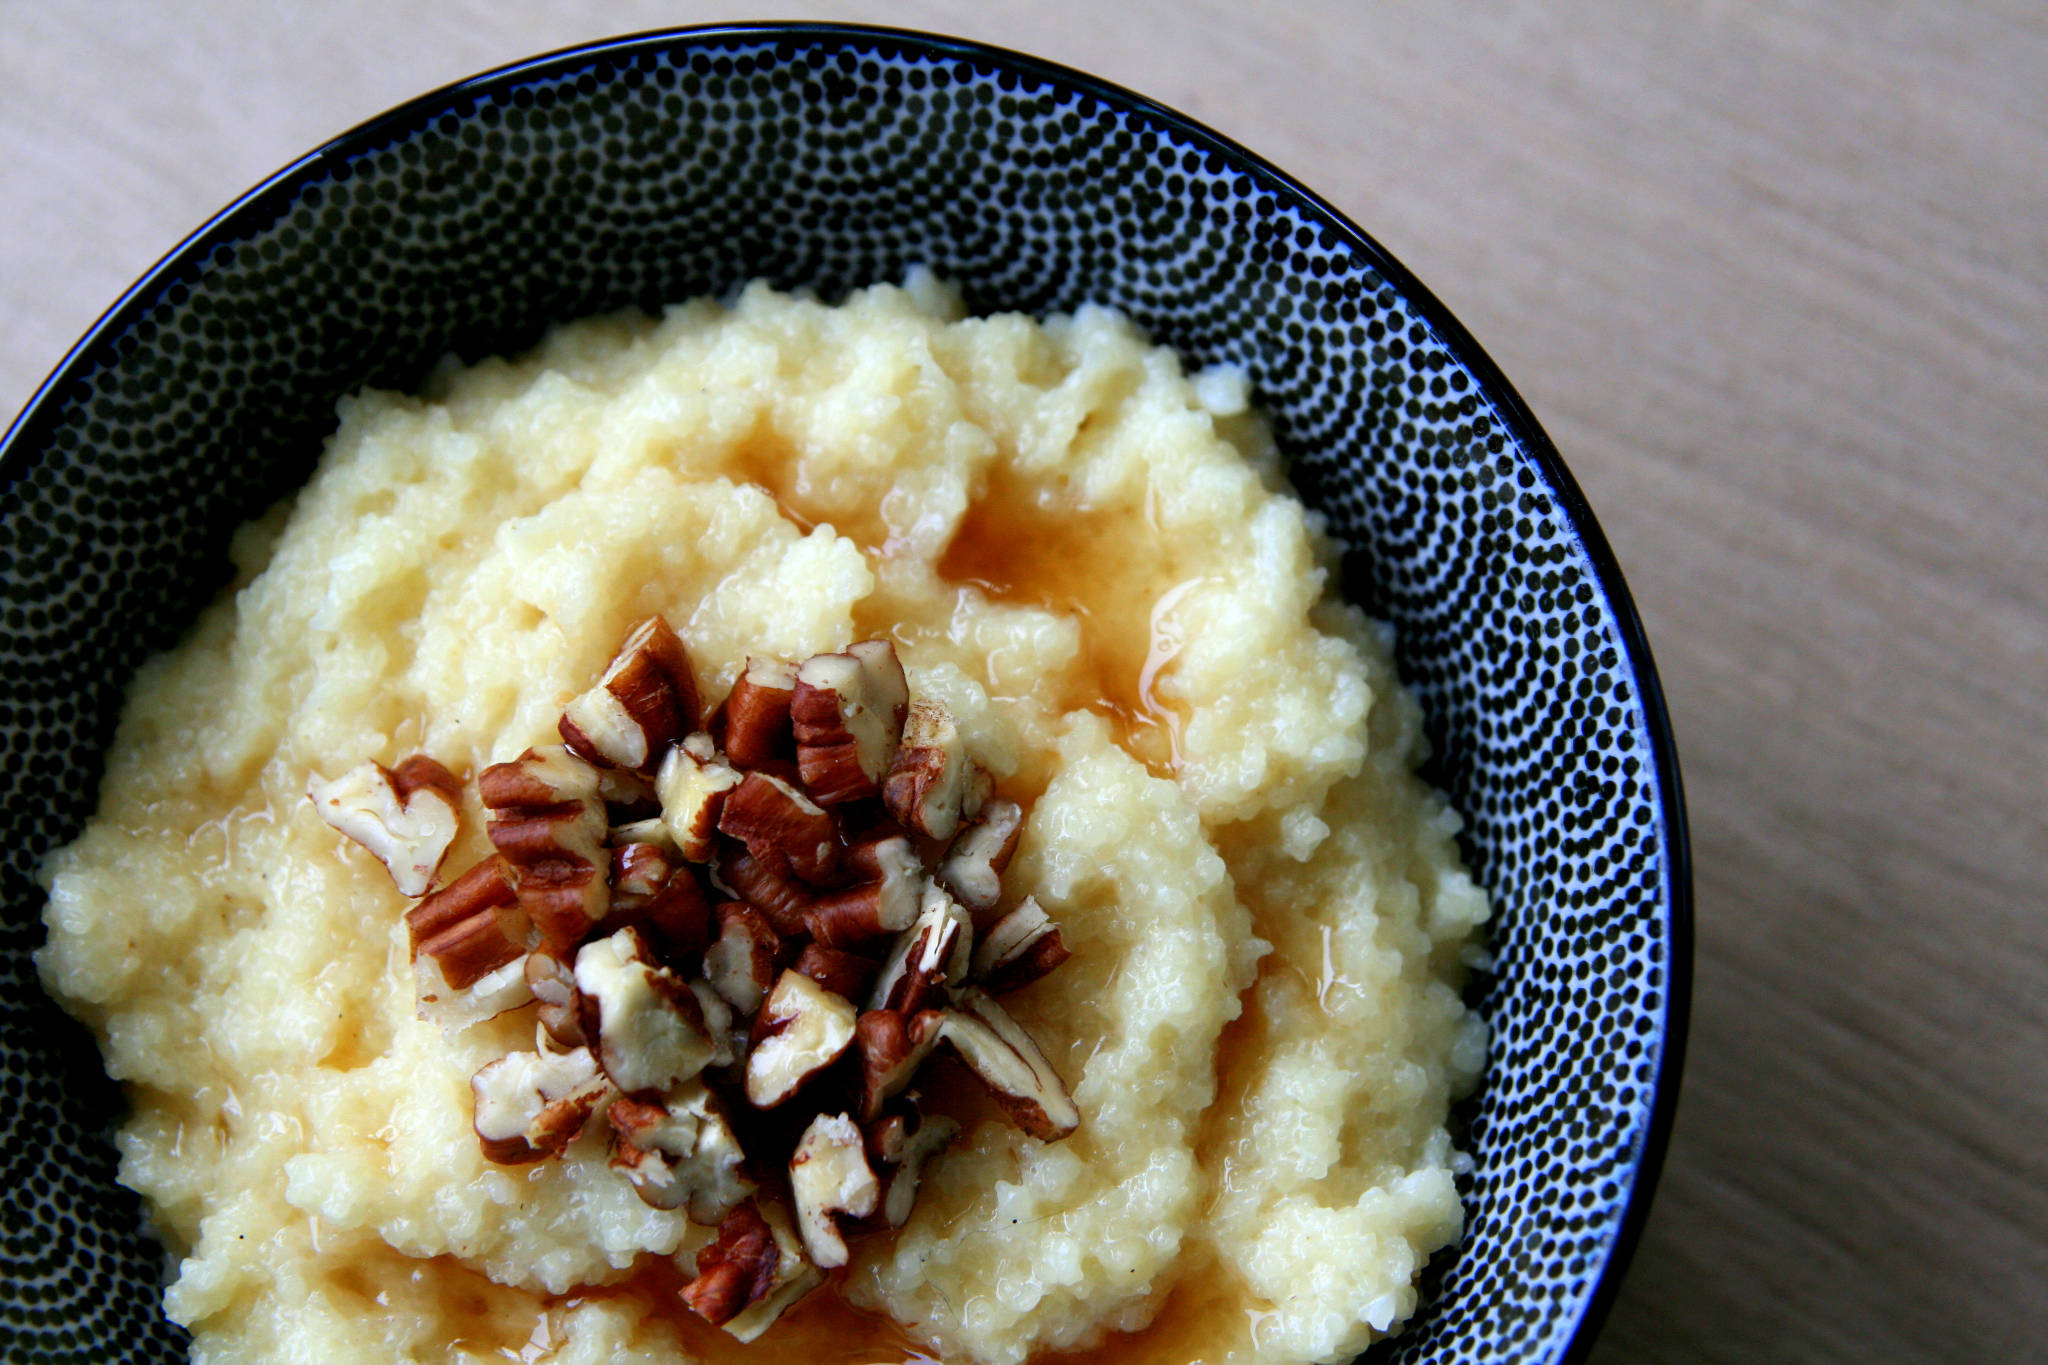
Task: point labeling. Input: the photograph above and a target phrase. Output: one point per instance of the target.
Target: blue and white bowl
(647, 170)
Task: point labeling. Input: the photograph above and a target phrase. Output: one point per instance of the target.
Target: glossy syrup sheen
(1101, 567)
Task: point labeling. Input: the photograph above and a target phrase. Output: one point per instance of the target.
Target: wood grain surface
(1775, 277)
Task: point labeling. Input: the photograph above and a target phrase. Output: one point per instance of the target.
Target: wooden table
(1776, 279)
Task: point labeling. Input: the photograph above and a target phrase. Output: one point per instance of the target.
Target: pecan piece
(901, 1145)
(802, 1029)
(829, 1177)
(1018, 949)
(530, 1105)
(884, 905)
(781, 899)
(933, 781)
(892, 1047)
(646, 698)
(847, 974)
(781, 827)
(930, 956)
(847, 712)
(468, 940)
(679, 1150)
(757, 721)
(754, 1271)
(549, 824)
(694, 784)
(998, 1050)
(646, 1022)
(405, 816)
(551, 980)
(740, 963)
(972, 869)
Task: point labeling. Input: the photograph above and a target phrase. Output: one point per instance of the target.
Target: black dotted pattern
(654, 169)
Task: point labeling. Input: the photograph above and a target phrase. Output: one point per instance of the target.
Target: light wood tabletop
(1774, 277)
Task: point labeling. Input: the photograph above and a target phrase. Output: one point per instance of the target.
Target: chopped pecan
(757, 723)
(530, 1105)
(829, 1177)
(646, 1022)
(468, 940)
(998, 1050)
(847, 712)
(1018, 949)
(782, 828)
(740, 963)
(550, 825)
(640, 872)
(693, 784)
(646, 698)
(973, 867)
(782, 900)
(892, 1047)
(754, 1271)
(884, 905)
(933, 781)
(901, 1145)
(930, 956)
(551, 980)
(468, 927)
(405, 816)
(801, 1030)
(846, 974)
(679, 1150)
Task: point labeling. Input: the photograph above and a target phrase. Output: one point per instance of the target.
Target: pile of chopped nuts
(742, 934)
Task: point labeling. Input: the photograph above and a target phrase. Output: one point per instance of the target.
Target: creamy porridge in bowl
(1237, 931)
(1088, 559)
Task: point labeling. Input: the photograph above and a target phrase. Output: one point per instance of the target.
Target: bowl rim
(257, 205)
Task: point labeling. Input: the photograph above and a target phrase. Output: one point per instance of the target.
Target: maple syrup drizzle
(1016, 545)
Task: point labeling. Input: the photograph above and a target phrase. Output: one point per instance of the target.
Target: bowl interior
(649, 170)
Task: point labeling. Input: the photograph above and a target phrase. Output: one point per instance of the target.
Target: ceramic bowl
(651, 169)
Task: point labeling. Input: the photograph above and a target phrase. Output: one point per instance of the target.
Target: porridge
(1088, 559)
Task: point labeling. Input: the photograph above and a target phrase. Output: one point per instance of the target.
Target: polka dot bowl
(650, 169)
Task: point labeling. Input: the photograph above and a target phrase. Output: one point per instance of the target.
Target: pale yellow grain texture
(779, 477)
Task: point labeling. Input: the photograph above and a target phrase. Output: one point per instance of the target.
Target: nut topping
(1018, 949)
(680, 1151)
(468, 939)
(405, 816)
(847, 712)
(829, 1176)
(781, 827)
(693, 784)
(740, 963)
(901, 1146)
(973, 867)
(550, 825)
(551, 980)
(933, 781)
(652, 1003)
(780, 899)
(802, 1029)
(754, 1271)
(892, 1047)
(757, 722)
(885, 905)
(646, 698)
(649, 1029)
(998, 1050)
(930, 956)
(530, 1105)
